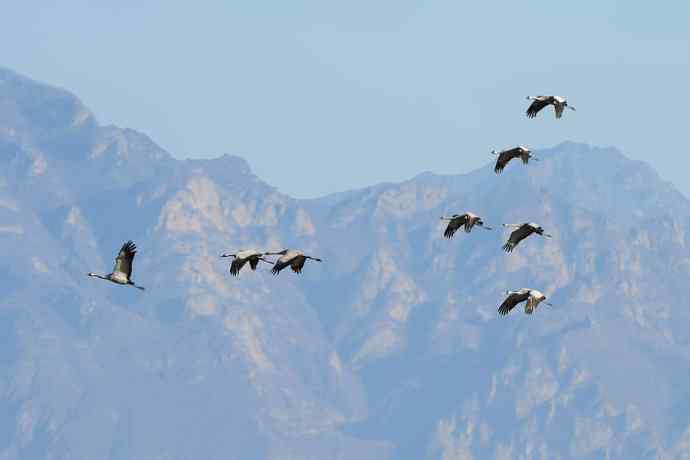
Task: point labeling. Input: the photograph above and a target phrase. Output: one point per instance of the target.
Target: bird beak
(486, 228)
(534, 159)
(549, 304)
(571, 108)
(547, 235)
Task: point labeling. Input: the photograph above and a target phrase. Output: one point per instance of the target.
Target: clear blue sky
(321, 96)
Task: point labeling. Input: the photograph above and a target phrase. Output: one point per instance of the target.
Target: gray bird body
(467, 221)
(504, 157)
(521, 232)
(122, 270)
(539, 102)
(240, 258)
(290, 258)
(532, 297)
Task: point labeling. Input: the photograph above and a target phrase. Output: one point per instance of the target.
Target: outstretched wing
(298, 263)
(281, 264)
(237, 265)
(123, 261)
(512, 300)
(516, 236)
(558, 109)
(537, 104)
(524, 155)
(504, 158)
(454, 225)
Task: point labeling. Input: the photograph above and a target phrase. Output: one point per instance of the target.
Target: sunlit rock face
(391, 348)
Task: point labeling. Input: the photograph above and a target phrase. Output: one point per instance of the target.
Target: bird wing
(253, 262)
(512, 300)
(123, 261)
(469, 223)
(524, 155)
(237, 265)
(532, 303)
(504, 157)
(537, 104)
(558, 108)
(298, 263)
(454, 225)
(517, 235)
(281, 263)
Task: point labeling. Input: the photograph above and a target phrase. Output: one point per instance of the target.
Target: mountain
(392, 348)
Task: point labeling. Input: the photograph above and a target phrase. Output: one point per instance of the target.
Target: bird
(122, 271)
(539, 102)
(532, 296)
(467, 220)
(521, 232)
(242, 257)
(292, 258)
(504, 157)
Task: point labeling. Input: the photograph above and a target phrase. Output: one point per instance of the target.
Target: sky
(322, 96)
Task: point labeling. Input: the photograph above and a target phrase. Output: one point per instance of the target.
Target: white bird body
(539, 102)
(532, 297)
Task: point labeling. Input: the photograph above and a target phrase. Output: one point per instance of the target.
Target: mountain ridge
(391, 348)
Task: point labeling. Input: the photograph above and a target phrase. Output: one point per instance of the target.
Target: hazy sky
(321, 96)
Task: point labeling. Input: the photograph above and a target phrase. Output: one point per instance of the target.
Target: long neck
(98, 275)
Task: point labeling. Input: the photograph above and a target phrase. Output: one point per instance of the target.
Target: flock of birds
(122, 271)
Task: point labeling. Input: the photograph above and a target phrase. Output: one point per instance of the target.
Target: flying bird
(504, 157)
(532, 296)
(467, 220)
(241, 258)
(539, 102)
(521, 232)
(290, 258)
(122, 271)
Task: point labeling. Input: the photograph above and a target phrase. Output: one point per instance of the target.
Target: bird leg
(228, 255)
(267, 261)
(513, 225)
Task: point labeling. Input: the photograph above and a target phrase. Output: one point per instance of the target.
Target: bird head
(227, 255)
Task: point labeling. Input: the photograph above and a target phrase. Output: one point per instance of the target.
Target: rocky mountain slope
(392, 348)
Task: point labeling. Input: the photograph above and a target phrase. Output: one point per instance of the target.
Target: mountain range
(392, 348)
